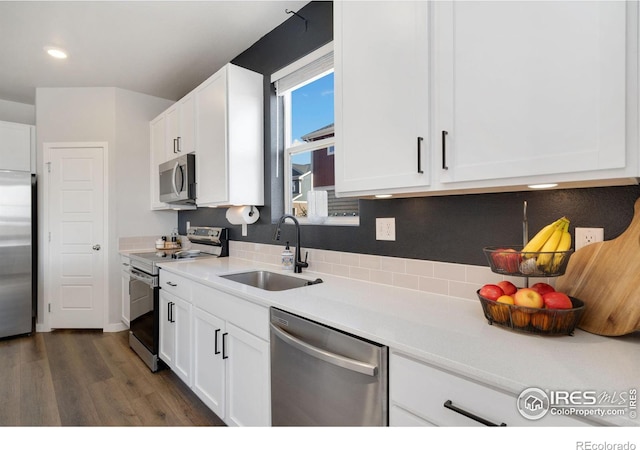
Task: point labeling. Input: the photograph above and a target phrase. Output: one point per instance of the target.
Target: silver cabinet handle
(171, 284)
(331, 358)
(96, 247)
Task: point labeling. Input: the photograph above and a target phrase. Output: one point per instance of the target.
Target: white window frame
(289, 148)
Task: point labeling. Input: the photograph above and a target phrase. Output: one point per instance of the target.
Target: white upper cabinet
(221, 121)
(504, 94)
(530, 89)
(158, 133)
(229, 138)
(381, 97)
(180, 128)
(17, 147)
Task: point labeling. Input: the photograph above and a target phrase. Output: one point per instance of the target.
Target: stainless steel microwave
(178, 180)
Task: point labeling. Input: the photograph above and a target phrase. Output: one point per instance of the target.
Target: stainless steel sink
(269, 281)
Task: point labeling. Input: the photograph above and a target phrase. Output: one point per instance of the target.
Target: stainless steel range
(144, 289)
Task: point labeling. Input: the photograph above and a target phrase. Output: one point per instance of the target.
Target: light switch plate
(386, 229)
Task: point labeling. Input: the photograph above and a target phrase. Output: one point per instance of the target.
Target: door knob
(96, 247)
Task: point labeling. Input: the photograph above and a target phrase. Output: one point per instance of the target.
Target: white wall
(17, 112)
(120, 118)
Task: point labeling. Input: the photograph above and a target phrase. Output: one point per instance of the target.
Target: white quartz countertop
(448, 332)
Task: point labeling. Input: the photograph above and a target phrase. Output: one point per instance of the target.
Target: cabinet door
(211, 140)
(15, 146)
(172, 132)
(187, 134)
(183, 348)
(529, 88)
(248, 379)
(158, 128)
(125, 297)
(167, 328)
(209, 367)
(382, 97)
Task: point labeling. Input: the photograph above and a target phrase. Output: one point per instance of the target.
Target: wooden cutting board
(606, 277)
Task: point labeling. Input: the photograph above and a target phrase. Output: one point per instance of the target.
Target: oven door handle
(324, 355)
(133, 273)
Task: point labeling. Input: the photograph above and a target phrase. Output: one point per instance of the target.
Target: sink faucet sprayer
(298, 264)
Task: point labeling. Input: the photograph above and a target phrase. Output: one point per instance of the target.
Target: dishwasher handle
(324, 355)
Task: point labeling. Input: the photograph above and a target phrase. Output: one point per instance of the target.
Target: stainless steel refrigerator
(17, 289)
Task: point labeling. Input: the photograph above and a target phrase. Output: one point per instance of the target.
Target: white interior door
(76, 217)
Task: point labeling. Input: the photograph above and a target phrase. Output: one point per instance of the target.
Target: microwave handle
(173, 179)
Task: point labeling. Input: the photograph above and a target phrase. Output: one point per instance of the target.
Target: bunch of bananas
(554, 237)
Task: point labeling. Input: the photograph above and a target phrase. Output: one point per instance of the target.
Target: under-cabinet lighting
(56, 52)
(383, 196)
(543, 186)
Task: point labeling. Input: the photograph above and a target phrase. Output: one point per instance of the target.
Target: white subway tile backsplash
(457, 280)
(406, 281)
(449, 271)
(370, 262)
(396, 265)
(419, 267)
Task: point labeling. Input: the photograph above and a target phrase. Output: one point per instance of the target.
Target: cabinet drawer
(422, 390)
(176, 284)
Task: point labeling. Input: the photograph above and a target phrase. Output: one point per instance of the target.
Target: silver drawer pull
(331, 358)
(171, 284)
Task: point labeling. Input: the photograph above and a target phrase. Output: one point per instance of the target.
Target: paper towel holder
(243, 215)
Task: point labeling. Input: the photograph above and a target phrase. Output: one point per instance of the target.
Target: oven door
(143, 291)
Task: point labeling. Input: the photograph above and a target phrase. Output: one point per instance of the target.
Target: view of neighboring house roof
(299, 169)
(318, 134)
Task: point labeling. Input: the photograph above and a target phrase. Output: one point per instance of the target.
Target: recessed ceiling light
(543, 185)
(56, 52)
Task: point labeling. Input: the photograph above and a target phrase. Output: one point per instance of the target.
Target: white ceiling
(160, 48)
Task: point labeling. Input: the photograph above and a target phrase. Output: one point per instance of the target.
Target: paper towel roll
(317, 206)
(242, 215)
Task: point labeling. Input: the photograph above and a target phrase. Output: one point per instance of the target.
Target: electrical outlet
(586, 236)
(386, 229)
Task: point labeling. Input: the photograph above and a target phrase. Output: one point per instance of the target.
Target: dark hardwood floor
(90, 378)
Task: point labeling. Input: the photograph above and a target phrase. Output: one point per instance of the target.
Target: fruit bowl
(512, 261)
(541, 321)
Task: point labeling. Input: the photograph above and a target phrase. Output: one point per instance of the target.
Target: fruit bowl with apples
(538, 309)
(514, 261)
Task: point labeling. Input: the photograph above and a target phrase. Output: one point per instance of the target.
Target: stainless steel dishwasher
(322, 376)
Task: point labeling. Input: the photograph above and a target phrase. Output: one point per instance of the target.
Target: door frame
(48, 148)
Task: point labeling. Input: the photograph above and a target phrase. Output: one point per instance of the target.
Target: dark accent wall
(442, 228)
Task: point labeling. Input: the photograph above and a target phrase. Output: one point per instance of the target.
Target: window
(306, 97)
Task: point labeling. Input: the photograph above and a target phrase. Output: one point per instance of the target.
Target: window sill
(333, 221)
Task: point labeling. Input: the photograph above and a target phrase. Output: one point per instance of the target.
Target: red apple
(512, 260)
(507, 287)
(491, 291)
(542, 288)
(506, 259)
(557, 300)
(529, 298)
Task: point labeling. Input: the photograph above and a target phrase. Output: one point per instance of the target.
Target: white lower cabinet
(421, 394)
(231, 357)
(175, 335)
(218, 344)
(209, 367)
(125, 297)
